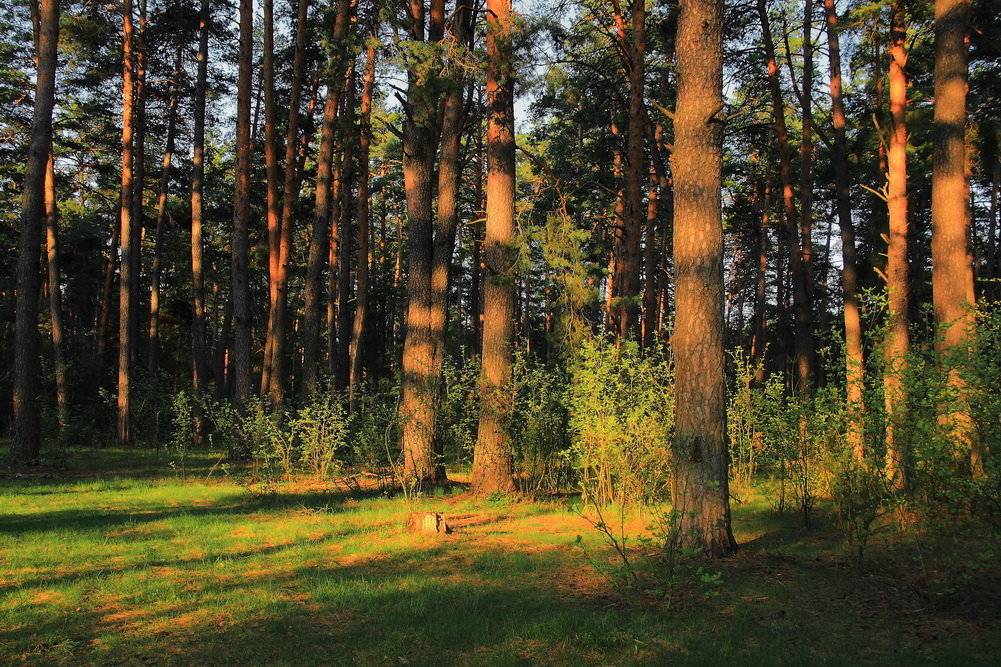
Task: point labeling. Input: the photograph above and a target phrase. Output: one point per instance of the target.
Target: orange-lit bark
(199, 361)
(492, 455)
(700, 494)
(854, 370)
(272, 205)
(55, 291)
(897, 343)
(952, 278)
(123, 433)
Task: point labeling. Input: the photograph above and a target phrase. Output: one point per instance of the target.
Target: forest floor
(138, 566)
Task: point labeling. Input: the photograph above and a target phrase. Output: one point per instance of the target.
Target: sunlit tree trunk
(26, 433)
(241, 359)
(123, 434)
(952, 278)
(272, 205)
(55, 295)
(854, 368)
(420, 129)
(492, 455)
(291, 185)
(898, 321)
(700, 492)
(161, 219)
(199, 361)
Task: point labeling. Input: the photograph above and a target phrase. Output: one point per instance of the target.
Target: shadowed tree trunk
(26, 434)
(161, 219)
(699, 490)
(803, 337)
(272, 207)
(952, 278)
(199, 362)
(356, 351)
(764, 196)
(320, 233)
(854, 368)
(241, 359)
(898, 321)
(492, 455)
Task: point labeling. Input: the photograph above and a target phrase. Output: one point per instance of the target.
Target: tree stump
(427, 522)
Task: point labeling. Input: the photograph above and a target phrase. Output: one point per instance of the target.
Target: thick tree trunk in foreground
(952, 259)
(241, 360)
(898, 321)
(700, 491)
(126, 230)
(492, 456)
(26, 436)
(854, 363)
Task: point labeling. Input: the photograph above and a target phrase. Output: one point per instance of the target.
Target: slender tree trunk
(761, 284)
(319, 238)
(241, 362)
(273, 205)
(341, 255)
(279, 316)
(476, 287)
(199, 361)
(699, 459)
(127, 230)
(107, 293)
(55, 294)
(806, 187)
(356, 351)
(898, 321)
(492, 455)
(803, 337)
(952, 259)
(161, 219)
(854, 363)
(26, 435)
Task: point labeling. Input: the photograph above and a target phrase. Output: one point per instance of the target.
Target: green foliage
(540, 425)
(621, 419)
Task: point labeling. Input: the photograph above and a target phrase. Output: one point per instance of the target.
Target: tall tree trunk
(319, 238)
(803, 337)
(898, 321)
(420, 130)
(807, 375)
(699, 459)
(241, 361)
(492, 455)
(952, 259)
(26, 436)
(291, 186)
(107, 293)
(761, 284)
(854, 363)
(476, 284)
(127, 230)
(55, 295)
(199, 361)
(273, 205)
(341, 255)
(161, 219)
(356, 352)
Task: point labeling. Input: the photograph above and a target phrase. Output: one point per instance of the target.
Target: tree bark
(952, 259)
(199, 362)
(854, 362)
(26, 434)
(241, 355)
(55, 295)
(492, 455)
(127, 230)
(898, 320)
(273, 205)
(161, 219)
(699, 459)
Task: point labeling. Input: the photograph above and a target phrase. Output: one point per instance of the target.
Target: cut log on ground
(427, 522)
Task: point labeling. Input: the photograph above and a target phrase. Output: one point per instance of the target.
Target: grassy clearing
(132, 568)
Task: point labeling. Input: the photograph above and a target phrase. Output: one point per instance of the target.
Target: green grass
(131, 568)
